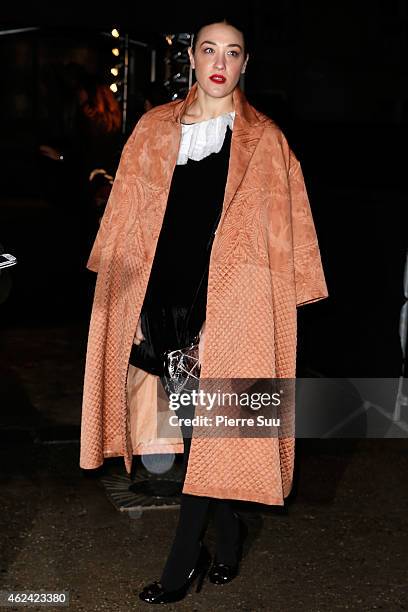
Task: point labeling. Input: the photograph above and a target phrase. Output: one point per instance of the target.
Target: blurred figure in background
(81, 140)
(88, 135)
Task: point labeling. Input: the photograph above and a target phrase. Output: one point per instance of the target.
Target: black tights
(194, 511)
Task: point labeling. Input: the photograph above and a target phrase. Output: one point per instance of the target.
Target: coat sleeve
(116, 205)
(309, 276)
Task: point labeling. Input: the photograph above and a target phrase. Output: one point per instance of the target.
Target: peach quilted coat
(265, 261)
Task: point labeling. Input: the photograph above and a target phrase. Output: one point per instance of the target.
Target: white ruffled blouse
(204, 137)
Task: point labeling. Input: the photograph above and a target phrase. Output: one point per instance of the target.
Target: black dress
(174, 307)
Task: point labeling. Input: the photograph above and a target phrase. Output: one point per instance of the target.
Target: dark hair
(231, 22)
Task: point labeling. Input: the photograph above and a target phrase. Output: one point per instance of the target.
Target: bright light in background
(169, 39)
(115, 33)
(114, 87)
(114, 71)
(115, 52)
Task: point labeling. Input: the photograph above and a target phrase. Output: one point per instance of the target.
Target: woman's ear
(245, 64)
(191, 56)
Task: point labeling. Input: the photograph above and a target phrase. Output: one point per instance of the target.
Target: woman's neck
(207, 107)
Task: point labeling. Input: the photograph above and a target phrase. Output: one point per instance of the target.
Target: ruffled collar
(204, 137)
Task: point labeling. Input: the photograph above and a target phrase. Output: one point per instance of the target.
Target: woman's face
(218, 59)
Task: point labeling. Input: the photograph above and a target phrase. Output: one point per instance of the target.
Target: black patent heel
(220, 573)
(155, 593)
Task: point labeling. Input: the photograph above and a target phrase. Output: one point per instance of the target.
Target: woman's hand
(139, 337)
(201, 343)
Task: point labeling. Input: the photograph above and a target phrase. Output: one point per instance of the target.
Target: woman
(264, 261)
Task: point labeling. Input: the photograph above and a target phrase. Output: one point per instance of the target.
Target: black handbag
(151, 355)
(155, 324)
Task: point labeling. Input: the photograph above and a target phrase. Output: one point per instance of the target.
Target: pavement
(339, 543)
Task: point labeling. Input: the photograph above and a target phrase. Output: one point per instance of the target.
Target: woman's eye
(210, 51)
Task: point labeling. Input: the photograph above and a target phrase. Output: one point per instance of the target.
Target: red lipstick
(218, 78)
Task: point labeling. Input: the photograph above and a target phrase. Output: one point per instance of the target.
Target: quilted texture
(265, 261)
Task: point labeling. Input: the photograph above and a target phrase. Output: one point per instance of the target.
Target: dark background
(333, 76)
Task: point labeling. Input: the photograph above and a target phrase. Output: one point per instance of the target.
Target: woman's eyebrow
(210, 42)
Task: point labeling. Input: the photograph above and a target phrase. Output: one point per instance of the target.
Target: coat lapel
(245, 137)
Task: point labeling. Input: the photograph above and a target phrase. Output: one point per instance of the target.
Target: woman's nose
(219, 62)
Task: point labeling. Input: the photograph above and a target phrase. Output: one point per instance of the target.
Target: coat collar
(242, 108)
